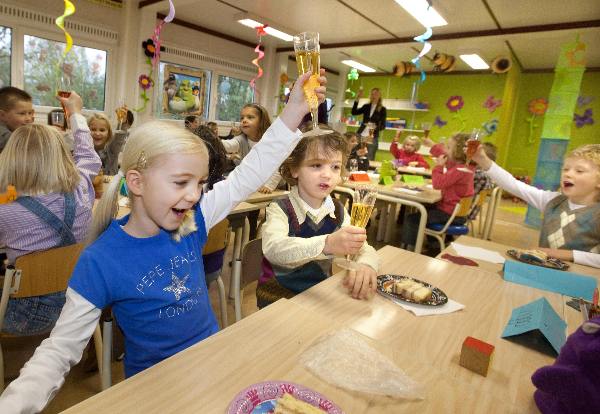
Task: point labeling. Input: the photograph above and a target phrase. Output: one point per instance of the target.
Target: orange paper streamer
(260, 31)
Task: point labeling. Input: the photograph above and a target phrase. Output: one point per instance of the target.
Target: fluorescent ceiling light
(269, 30)
(475, 61)
(359, 66)
(420, 10)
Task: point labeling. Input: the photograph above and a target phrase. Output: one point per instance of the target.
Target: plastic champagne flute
(308, 59)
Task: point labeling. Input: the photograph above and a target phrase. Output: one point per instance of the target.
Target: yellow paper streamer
(60, 22)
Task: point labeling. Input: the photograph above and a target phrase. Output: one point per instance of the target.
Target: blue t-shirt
(156, 287)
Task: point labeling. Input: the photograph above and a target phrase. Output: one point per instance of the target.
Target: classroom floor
(80, 384)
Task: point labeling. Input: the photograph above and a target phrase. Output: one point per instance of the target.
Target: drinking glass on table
(371, 130)
(58, 119)
(362, 207)
(426, 126)
(353, 165)
(308, 59)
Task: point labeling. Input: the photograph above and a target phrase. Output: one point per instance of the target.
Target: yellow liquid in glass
(360, 214)
(309, 61)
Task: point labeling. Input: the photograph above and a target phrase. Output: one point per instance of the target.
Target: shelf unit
(390, 129)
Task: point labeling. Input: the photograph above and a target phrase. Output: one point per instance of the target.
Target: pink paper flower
(491, 104)
(455, 103)
(145, 82)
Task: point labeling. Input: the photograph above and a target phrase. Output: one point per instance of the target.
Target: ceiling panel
(537, 12)
(337, 22)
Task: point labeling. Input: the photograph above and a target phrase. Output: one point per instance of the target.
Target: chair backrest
(252, 256)
(46, 272)
(217, 237)
(482, 197)
(463, 207)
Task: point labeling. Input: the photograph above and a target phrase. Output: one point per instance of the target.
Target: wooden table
(259, 198)
(425, 172)
(502, 248)
(428, 348)
(571, 316)
(266, 346)
(391, 198)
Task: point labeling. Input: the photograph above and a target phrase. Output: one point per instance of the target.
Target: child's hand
(361, 152)
(73, 104)
(481, 158)
(396, 137)
(359, 94)
(264, 190)
(297, 105)
(347, 240)
(441, 160)
(361, 283)
(428, 142)
(566, 255)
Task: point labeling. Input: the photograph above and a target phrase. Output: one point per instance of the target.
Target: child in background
(57, 210)
(455, 183)
(15, 110)
(358, 152)
(571, 224)
(480, 180)
(147, 265)
(407, 155)
(107, 145)
(192, 122)
(305, 229)
(213, 127)
(254, 122)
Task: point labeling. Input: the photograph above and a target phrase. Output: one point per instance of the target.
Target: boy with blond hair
(571, 224)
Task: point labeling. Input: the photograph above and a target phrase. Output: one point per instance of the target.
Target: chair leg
(222, 302)
(106, 372)
(1, 369)
(98, 347)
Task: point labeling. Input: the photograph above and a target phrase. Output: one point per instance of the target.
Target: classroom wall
(522, 155)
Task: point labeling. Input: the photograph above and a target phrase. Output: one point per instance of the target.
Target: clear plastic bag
(345, 359)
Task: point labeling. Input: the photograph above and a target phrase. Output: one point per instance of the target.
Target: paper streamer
(260, 31)
(60, 22)
(426, 48)
(157, 30)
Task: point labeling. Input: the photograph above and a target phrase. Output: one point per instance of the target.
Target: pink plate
(261, 398)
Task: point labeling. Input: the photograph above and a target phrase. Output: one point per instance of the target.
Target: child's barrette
(123, 187)
(141, 162)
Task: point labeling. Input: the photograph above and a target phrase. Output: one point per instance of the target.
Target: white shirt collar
(302, 208)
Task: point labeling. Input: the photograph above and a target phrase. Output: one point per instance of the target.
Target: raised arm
(264, 159)
(43, 375)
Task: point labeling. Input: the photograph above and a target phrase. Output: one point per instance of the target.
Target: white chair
(440, 230)
(37, 274)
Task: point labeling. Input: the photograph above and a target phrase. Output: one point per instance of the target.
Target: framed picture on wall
(183, 92)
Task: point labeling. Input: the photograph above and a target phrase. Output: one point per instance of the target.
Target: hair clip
(141, 162)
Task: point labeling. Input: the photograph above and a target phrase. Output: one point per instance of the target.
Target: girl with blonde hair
(107, 145)
(147, 265)
(53, 208)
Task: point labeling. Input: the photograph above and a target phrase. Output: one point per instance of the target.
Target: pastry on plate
(288, 404)
(533, 255)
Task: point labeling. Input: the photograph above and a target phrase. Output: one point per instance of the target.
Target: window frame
(20, 28)
(225, 122)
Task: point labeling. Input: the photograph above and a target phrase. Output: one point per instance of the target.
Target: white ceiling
(343, 21)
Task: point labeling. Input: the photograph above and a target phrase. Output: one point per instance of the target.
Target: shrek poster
(183, 92)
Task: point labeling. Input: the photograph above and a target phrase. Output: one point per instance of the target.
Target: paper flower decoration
(538, 106)
(490, 126)
(439, 122)
(584, 100)
(492, 104)
(455, 103)
(586, 119)
(150, 48)
(353, 74)
(145, 82)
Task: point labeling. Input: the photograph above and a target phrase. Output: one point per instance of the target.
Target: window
(232, 95)
(183, 91)
(84, 67)
(5, 52)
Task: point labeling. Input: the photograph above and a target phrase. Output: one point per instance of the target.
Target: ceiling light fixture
(251, 22)
(359, 66)
(474, 61)
(420, 10)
